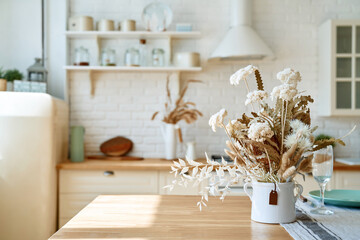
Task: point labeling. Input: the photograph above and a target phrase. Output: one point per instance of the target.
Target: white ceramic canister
(187, 59)
(128, 25)
(105, 25)
(81, 23)
(283, 212)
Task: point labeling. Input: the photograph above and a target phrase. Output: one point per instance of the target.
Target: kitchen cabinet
(80, 183)
(339, 180)
(339, 68)
(77, 188)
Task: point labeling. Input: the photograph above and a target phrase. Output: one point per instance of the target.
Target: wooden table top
(150, 164)
(146, 164)
(167, 217)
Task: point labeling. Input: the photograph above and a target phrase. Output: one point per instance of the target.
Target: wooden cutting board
(109, 158)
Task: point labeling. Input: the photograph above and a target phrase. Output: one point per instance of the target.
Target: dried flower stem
(283, 123)
(248, 90)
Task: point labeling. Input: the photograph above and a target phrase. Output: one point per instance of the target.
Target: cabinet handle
(108, 173)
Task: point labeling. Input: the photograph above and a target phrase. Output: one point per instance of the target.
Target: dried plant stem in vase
(176, 111)
(269, 147)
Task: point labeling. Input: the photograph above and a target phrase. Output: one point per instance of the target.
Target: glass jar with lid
(132, 57)
(82, 57)
(108, 57)
(158, 57)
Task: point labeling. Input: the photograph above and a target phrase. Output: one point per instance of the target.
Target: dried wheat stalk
(182, 110)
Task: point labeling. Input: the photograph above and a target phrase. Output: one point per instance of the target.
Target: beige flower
(260, 132)
(217, 119)
(289, 76)
(235, 127)
(285, 91)
(256, 96)
(242, 74)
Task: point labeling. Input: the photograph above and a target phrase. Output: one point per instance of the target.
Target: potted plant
(175, 111)
(269, 147)
(11, 76)
(2, 80)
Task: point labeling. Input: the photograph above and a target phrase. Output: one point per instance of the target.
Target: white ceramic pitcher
(283, 212)
(169, 134)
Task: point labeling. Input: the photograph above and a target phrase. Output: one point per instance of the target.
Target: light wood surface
(146, 164)
(149, 164)
(167, 217)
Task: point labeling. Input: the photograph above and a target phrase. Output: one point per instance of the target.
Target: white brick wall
(124, 102)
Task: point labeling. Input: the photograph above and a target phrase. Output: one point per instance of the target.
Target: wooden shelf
(131, 35)
(130, 69)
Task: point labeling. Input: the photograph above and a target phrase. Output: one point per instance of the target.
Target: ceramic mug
(187, 59)
(105, 25)
(81, 23)
(283, 211)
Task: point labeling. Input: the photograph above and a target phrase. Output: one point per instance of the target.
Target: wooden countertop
(167, 217)
(149, 164)
(146, 164)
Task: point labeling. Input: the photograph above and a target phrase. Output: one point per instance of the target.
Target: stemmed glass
(322, 164)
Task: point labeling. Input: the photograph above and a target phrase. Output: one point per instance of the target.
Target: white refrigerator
(33, 139)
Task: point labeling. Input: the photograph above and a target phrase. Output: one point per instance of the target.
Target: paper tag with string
(273, 197)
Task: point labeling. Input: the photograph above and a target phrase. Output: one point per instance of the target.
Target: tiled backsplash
(124, 102)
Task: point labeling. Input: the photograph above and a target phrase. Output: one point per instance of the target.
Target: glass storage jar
(82, 57)
(158, 57)
(108, 57)
(132, 57)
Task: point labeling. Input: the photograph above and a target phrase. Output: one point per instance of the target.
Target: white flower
(302, 142)
(300, 128)
(289, 76)
(260, 131)
(290, 140)
(285, 91)
(242, 74)
(256, 96)
(217, 119)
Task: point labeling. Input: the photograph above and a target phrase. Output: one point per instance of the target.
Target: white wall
(124, 102)
(20, 33)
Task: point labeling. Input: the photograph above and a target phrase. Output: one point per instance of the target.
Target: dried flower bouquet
(179, 110)
(272, 144)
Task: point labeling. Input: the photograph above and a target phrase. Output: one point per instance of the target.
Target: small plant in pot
(269, 147)
(12, 75)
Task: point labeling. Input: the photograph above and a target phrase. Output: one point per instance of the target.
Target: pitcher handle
(299, 190)
(246, 185)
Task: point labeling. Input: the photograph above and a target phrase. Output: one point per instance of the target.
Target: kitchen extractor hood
(241, 41)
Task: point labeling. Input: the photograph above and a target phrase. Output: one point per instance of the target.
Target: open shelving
(132, 35)
(99, 37)
(130, 69)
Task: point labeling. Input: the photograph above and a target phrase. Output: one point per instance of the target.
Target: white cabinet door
(165, 178)
(347, 180)
(78, 188)
(108, 182)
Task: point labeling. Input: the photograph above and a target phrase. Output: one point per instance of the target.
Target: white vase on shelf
(169, 134)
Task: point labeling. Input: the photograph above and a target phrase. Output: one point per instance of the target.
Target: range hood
(241, 41)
